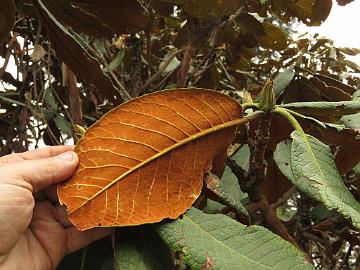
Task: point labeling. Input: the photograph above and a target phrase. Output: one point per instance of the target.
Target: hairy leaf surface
(144, 161)
(214, 241)
(315, 174)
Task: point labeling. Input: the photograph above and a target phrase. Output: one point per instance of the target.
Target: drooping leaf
(213, 241)
(274, 37)
(63, 125)
(344, 2)
(7, 18)
(312, 12)
(99, 18)
(249, 24)
(216, 185)
(74, 54)
(315, 174)
(336, 83)
(282, 80)
(321, 11)
(144, 161)
(324, 108)
(207, 9)
(331, 93)
(141, 248)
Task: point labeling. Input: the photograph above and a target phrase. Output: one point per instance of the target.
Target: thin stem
(286, 114)
(246, 106)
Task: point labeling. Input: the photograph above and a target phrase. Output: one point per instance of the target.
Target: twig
(284, 197)
(7, 57)
(83, 258)
(189, 51)
(161, 70)
(121, 89)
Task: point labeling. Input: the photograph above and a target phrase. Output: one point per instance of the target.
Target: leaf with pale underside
(315, 174)
(145, 160)
(215, 241)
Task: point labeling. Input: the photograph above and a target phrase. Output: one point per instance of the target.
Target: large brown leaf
(144, 161)
(74, 54)
(7, 18)
(100, 18)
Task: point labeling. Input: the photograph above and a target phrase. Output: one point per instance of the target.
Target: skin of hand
(35, 233)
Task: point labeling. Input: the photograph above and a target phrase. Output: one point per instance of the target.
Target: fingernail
(67, 155)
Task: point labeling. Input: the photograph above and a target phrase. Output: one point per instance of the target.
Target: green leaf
(324, 108)
(230, 183)
(217, 186)
(169, 66)
(117, 60)
(282, 159)
(230, 187)
(7, 18)
(50, 99)
(140, 248)
(242, 157)
(315, 174)
(209, 241)
(352, 121)
(282, 80)
(63, 125)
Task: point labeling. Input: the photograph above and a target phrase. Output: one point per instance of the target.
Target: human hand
(35, 233)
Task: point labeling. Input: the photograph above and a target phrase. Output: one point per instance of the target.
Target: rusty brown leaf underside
(144, 161)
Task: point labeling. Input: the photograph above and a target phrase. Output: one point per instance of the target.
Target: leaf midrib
(226, 246)
(196, 136)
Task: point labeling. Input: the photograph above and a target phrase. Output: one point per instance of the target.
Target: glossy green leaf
(208, 241)
(315, 174)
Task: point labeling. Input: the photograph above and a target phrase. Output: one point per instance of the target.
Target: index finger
(46, 152)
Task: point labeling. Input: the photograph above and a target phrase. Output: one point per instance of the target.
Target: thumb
(38, 174)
